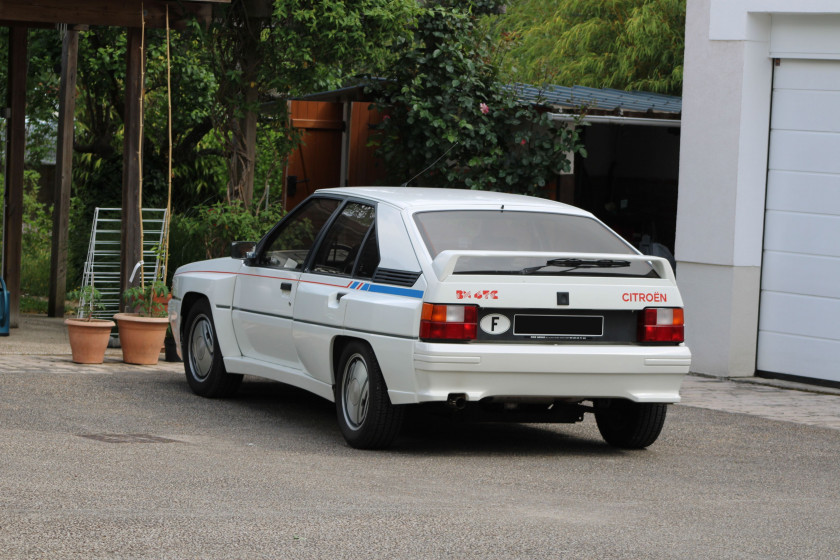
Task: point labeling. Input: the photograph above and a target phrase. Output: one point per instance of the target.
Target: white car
(497, 306)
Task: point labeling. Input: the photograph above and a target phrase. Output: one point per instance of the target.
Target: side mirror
(242, 249)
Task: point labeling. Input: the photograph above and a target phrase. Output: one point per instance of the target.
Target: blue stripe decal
(395, 291)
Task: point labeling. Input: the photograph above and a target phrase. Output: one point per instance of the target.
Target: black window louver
(395, 277)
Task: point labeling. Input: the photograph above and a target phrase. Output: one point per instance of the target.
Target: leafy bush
(37, 238)
(448, 121)
(148, 300)
(92, 299)
(207, 231)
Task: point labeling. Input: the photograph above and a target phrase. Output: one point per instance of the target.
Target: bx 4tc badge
(477, 294)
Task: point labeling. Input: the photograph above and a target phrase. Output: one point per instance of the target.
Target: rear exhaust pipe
(458, 401)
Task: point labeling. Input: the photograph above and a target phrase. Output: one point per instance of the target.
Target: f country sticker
(495, 324)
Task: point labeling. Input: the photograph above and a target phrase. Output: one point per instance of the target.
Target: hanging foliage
(450, 122)
(622, 44)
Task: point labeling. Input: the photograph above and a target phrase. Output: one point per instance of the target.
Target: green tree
(622, 44)
(198, 164)
(450, 122)
(44, 54)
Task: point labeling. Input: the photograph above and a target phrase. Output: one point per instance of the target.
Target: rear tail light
(448, 322)
(661, 324)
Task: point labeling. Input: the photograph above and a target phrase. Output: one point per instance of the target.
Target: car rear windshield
(494, 230)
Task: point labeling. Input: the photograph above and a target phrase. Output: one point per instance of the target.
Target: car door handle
(340, 295)
(286, 286)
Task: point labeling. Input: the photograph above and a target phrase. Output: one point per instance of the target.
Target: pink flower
(484, 108)
(523, 142)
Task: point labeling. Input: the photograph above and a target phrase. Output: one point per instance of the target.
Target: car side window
(293, 241)
(343, 242)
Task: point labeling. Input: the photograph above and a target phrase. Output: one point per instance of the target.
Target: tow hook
(458, 401)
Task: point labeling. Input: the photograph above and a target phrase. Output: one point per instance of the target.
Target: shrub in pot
(142, 332)
(88, 335)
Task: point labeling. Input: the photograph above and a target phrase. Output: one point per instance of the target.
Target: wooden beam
(130, 252)
(105, 12)
(15, 150)
(63, 174)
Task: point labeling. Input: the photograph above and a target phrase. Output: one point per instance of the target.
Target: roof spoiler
(444, 264)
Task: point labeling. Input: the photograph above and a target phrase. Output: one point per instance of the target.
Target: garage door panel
(800, 315)
(802, 356)
(801, 274)
(806, 75)
(802, 233)
(798, 191)
(821, 116)
(799, 311)
(812, 152)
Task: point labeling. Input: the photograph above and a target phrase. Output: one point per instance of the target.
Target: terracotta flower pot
(141, 338)
(88, 339)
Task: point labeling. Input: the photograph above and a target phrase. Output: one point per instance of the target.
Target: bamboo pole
(140, 146)
(169, 158)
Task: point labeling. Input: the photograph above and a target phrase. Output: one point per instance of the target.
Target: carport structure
(19, 16)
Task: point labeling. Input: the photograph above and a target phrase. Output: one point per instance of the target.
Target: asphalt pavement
(121, 461)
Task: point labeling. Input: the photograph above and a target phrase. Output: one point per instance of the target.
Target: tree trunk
(15, 150)
(243, 162)
(244, 158)
(63, 175)
(131, 252)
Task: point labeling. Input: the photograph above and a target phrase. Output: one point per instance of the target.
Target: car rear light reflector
(448, 322)
(661, 324)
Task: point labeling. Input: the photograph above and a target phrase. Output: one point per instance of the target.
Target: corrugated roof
(555, 97)
(601, 99)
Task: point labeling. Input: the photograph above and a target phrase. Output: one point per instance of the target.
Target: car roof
(430, 198)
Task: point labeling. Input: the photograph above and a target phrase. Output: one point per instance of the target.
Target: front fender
(215, 284)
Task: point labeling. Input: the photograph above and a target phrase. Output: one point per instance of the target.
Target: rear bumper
(638, 373)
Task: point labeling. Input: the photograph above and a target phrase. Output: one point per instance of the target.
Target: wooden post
(63, 175)
(131, 253)
(347, 113)
(15, 150)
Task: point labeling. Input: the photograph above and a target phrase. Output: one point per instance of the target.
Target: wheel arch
(394, 356)
(338, 346)
(221, 321)
(187, 303)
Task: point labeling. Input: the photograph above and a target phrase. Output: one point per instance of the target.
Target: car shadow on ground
(275, 408)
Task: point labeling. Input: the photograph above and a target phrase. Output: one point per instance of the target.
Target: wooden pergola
(19, 16)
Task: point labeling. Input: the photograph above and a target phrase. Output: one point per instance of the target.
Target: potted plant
(143, 330)
(88, 335)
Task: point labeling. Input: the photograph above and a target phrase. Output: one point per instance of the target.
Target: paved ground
(118, 461)
(41, 342)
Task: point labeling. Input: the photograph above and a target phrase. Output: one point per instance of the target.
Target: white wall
(727, 89)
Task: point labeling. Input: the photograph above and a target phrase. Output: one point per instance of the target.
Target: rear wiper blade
(588, 263)
(573, 264)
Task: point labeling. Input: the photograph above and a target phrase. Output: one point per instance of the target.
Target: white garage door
(799, 325)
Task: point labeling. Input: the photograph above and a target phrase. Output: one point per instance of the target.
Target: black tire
(630, 425)
(366, 416)
(203, 363)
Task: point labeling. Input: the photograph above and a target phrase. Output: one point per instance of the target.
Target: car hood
(225, 264)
